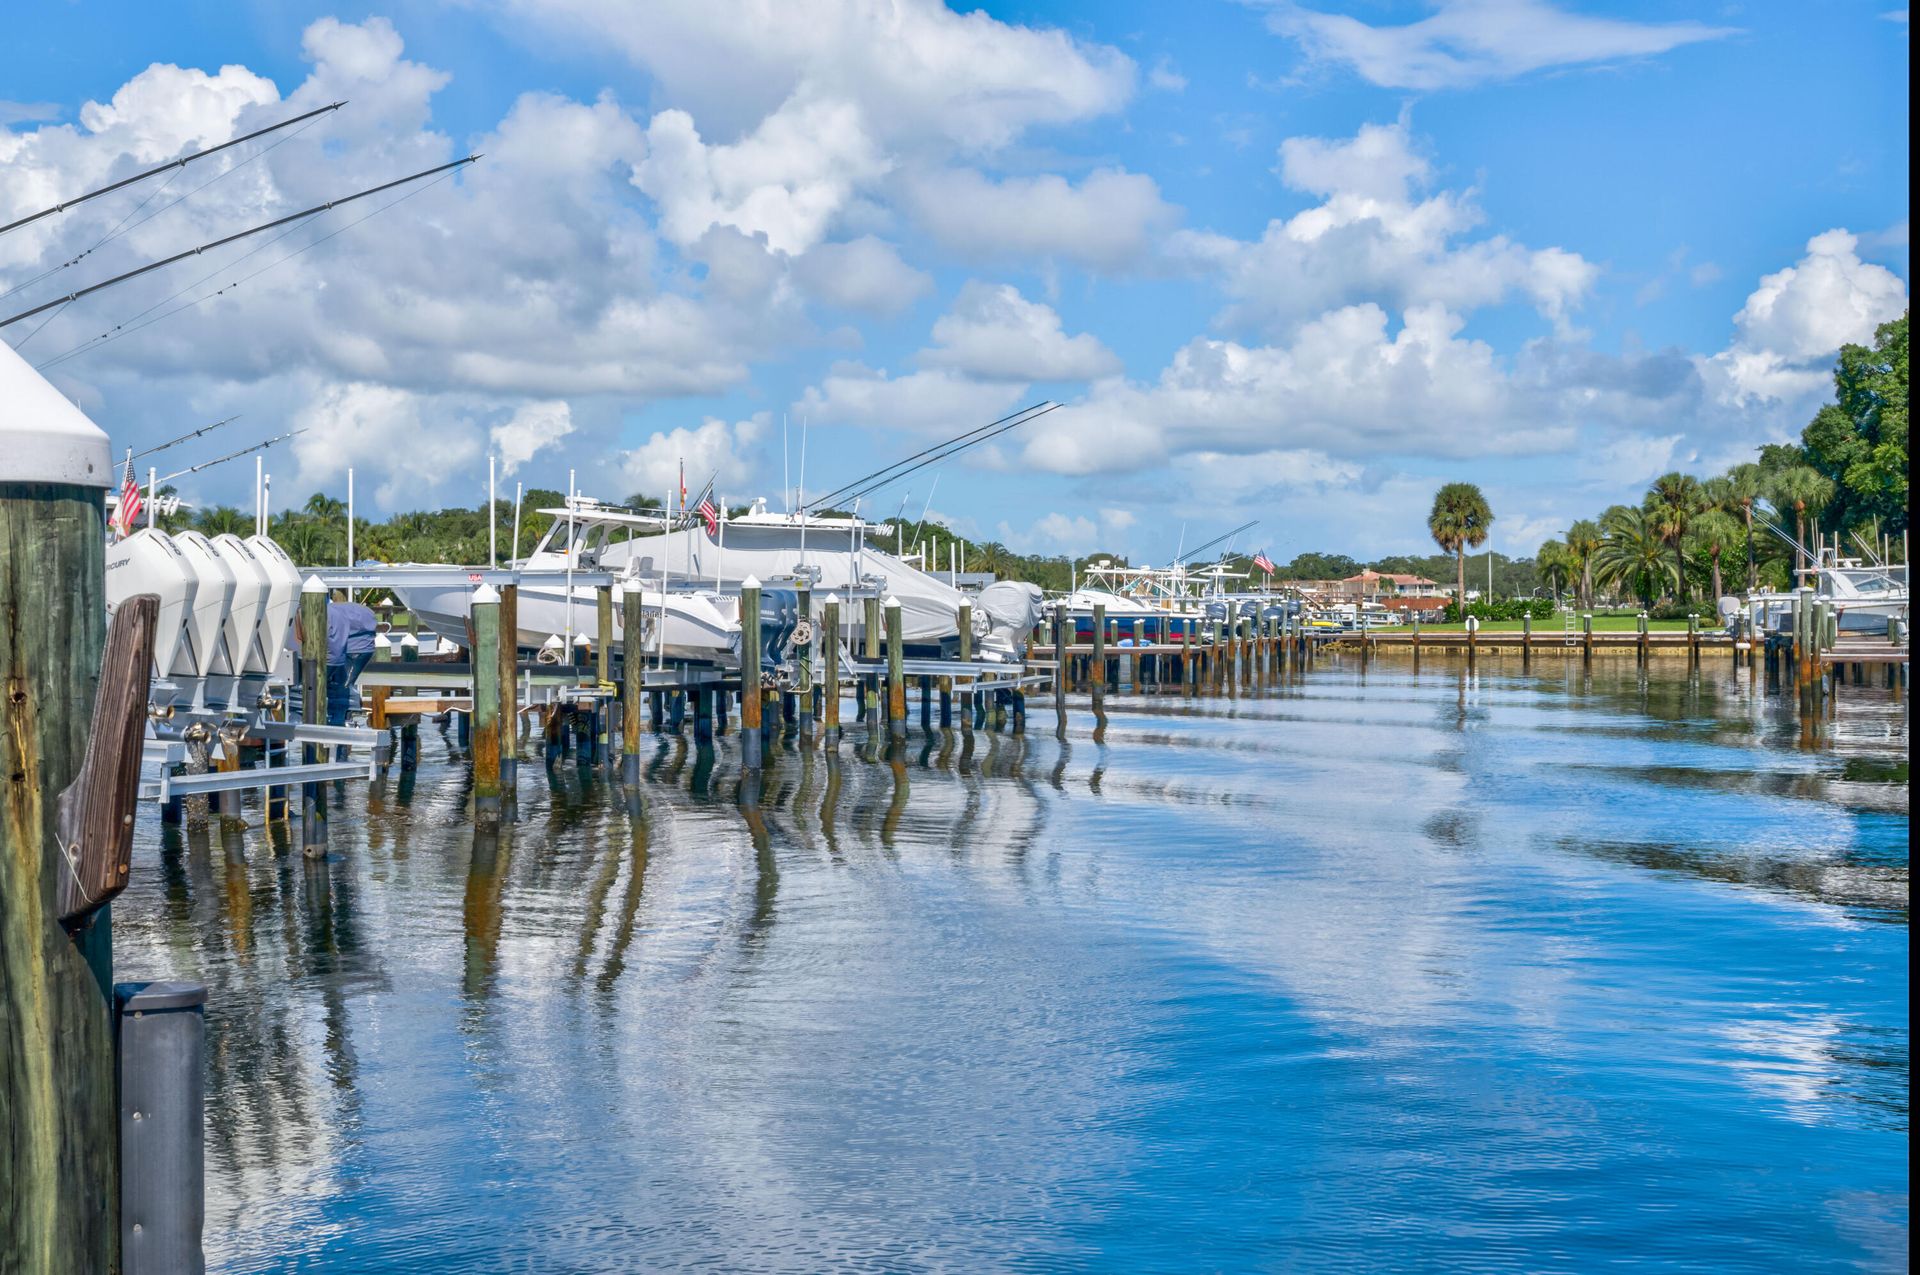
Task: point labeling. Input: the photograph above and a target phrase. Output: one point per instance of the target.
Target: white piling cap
(409, 640)
(313, 585)
(380, 642)
(619, 590)
(751, 582)
(893, 603)
(553, 643)
(833, 599)
(484, 594)
(45, 438)
(581, 639)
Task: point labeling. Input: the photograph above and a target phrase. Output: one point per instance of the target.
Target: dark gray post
(160, 1065)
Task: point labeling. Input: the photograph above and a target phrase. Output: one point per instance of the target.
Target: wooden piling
(313, 708)
(830, 668)
(1640, 646)
(1099, 647)
(1586, 639)
(58, 1125)
(1693, 642)
(896, 675)
(1526, 641)
(486, 705)
(750, 691)
(509, 690)
(633, 664)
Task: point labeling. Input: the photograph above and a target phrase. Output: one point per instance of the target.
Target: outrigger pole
(187, 438)
(934, 455)
(182, 162)
(314, 211)
(221, 460)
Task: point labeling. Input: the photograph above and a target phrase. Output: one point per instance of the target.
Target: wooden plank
(94, 819)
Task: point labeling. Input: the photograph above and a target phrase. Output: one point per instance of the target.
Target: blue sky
(1299, 263)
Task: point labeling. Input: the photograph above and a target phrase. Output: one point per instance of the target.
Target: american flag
(130, 502)
(709, 513)
(1263, 562)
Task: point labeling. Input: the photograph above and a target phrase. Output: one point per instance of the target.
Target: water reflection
(1193, 962)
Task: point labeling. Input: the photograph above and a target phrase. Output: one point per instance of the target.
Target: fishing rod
(315, 211)
(182, 162)
(244, 451)
(1197, 550)
(840, 492)
(953, 448)
(204, 429)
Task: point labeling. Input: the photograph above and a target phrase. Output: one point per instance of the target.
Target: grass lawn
(1602, 623)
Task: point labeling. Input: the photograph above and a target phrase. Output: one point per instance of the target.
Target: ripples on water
(1367, 970)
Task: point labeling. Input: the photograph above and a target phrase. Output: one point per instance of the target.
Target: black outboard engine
(779, 617)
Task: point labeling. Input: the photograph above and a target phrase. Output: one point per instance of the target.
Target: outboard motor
(1010, 609)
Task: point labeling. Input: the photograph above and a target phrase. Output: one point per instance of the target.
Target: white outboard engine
(207, 627)
(276, 617)
(149, 562)
(251, 590)
(1011, 608)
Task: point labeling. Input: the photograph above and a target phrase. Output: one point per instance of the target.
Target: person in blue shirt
(350, 630)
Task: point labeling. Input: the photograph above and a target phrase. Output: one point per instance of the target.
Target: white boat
(1863, 598)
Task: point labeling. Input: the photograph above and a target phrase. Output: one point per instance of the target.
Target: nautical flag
(683, 486)
(130, 503)
(1263, 562)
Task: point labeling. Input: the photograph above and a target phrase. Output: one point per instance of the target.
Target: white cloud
(1164, 77)
(1796, 320)
(919, 73)
(1375, 238)
(1343, 387)
(786, 180)
(713, 448)
(864, 274)
(362, 426)
(1108, 222)
(1634, 460)
(1468, 42)
(1069, 535)
(529, 431)
(933, 400)
(994, 333)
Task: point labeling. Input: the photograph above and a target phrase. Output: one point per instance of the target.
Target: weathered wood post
(633, 663)
(1060, 631)
(964, 618)
(313, 709)
(830, 669)
(870, 691)
(751, 698)
(1099, 647)
(1586, 639)
(896, 672)
(803, 657)
(603, 673)
(486, 705)
(58, 1158)
(1526, 640)
(1640, 645)
(1473, 639)
(509, 691)
(1693, 641)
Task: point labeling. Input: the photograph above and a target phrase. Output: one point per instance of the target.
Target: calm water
(1357, 972)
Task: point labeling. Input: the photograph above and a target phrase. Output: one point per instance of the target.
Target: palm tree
(1459, 521)
(1713, 533)
(309, 543)
(1556, 562)
(1746, 484)
(1584, 539)
(222, 519)
(1672, 502)
(1634, 554)
(1801, 487)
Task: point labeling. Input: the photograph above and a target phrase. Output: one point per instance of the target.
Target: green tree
(221, 520)
(1633, 555)
(1459, 521)
(1710, 535)
(1671, 504)
(1746, 484)
(1584, 540)
(1859, 441)
(1800, 488)
(1556, 562)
